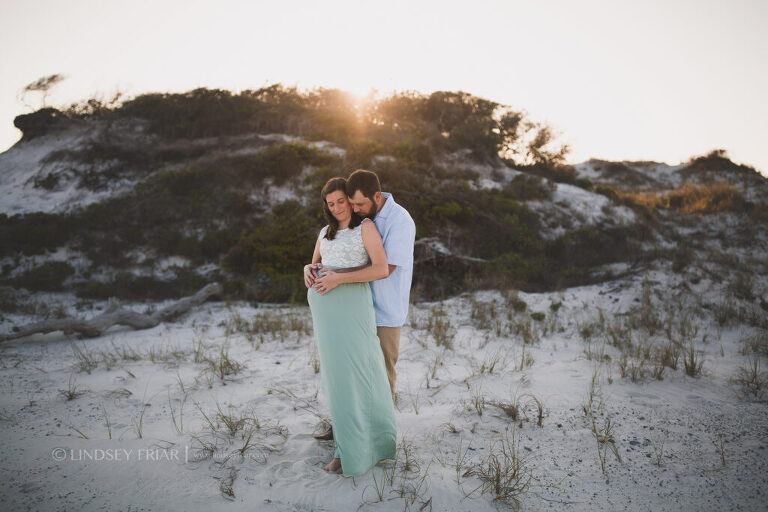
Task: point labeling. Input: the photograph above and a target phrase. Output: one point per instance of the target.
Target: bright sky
(618, 79)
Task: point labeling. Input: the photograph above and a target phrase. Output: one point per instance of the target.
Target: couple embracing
(359, 285)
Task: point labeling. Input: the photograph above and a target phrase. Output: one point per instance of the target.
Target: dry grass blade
(605, 440)
(511, 409)
(503, 473)
(72, 390)
(752, 381)
(693, 361)
(531, 399)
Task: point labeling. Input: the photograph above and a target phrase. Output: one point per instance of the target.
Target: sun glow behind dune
(619, 80)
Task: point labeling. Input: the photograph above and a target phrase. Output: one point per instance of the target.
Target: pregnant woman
(352, 371)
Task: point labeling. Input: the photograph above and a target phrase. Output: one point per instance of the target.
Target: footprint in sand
(306, 471)
(644, 399)
(637, 394)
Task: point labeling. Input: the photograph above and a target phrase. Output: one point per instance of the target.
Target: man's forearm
(364, 275)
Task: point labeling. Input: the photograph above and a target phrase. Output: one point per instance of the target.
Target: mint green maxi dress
(352, 372)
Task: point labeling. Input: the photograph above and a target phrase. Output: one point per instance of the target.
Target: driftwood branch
(114, 315)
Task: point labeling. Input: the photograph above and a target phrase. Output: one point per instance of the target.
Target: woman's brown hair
(332, 185)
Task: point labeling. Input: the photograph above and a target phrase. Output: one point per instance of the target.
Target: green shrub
(515, 302)
(216, 243)
(587, 247)
(524, 187)
(94, 289)
(194, 114)
(34, 233)
(430, 124)
(419, 152)
(758, 212)
(177, 183)
(573, 275)
(360, 154)
(49, 276)
(9, 303)
(557, 172)
(444, 212)
(188, 282)
(515, 267)
(608, 192)
(277, 248)
(131, 287)
(442, 277)
(469, 122)
(682, 257)
(483, 223)
(235, 288)
(280, 162)
(717, 161)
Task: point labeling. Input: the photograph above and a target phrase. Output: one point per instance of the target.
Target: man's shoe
(325, 436)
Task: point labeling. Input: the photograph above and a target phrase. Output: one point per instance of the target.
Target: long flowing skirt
(353, 376)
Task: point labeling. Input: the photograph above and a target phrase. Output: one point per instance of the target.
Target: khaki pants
(389, 337)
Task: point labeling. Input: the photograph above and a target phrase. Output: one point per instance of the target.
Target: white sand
(279, 385)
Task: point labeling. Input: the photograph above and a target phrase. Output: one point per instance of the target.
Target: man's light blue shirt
(391, 295)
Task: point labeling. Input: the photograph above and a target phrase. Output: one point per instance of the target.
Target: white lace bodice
(345, 250)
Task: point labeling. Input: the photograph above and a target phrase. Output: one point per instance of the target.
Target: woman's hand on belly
(327, 281)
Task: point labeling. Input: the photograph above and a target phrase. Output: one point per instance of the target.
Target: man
(390, 295)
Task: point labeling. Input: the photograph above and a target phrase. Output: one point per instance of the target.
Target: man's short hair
(366, 182)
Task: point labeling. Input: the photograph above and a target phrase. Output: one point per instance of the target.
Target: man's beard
(374, 210)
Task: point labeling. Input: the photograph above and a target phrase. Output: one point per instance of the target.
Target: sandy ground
(685, 443)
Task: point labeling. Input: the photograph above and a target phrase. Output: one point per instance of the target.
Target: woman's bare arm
(316, 254)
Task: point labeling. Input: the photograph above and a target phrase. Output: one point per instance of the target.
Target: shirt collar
(388, 205)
